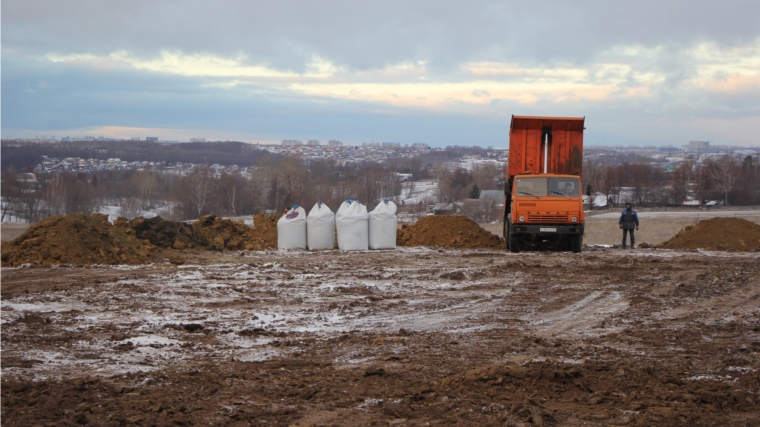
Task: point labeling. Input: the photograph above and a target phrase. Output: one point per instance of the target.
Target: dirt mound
(219, 234)
(86, 239)
(78, 239)
(718, 234)
(161, 233)
(264, 232)
(448, 232)
(210, 232)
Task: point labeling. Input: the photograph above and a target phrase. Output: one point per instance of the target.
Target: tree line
(273, 184)
(274, 181)
(727, 179)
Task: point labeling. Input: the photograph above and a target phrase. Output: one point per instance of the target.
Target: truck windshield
(554, 187)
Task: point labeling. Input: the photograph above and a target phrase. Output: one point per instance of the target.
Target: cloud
(269, 67)
(623, 72)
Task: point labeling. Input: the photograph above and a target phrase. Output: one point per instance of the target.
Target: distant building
(135, 138)
(447, 208)
(152, 139)
(28, 181)
(291, 142)
(699, 145)
(27, 178)
(197, 139)
(334, 143)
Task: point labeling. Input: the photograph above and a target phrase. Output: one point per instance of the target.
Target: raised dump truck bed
(545, 145)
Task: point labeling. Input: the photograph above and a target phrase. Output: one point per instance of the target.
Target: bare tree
(486, 176)
(725, 172)
(370, 185)
(192, 193)
(682, 176)
(389, 185)
(201, 185)
(11, 192)
(441, 173)
(7, 203)
(231, 189)
(145, 187)
(130, 208)
(56, 194)
(29, 207)
(258, 188)
(408, 189)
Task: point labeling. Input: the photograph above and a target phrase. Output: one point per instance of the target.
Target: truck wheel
(514, 243)
(505, 234)
(576, 244)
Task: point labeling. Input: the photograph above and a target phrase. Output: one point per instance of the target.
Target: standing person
(629, 220)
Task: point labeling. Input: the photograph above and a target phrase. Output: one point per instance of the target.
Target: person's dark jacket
(629, 219)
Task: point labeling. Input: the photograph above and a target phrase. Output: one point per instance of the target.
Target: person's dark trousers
(633, 240)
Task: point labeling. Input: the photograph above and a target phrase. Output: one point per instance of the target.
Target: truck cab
(547, 210)
(542, 197)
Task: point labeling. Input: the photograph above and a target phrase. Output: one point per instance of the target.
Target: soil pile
(448, 232)
(219, 234)
(161, 233)
(209, 232)
(264, 234)
(86, 239)
(78, 239)
(718, 234)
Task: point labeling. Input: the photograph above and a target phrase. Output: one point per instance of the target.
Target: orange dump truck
(543, 201)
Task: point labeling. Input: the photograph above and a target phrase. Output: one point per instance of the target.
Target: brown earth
(159, 232)
(447, 231)
(209, 232)
(77, 239)
(265, 232)
(89, 239)
(718, 234)
(219, 234)
(460, 337)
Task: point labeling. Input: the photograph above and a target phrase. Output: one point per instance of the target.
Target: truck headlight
(521, 219)
(574, 219)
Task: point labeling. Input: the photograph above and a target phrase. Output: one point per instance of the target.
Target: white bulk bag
(382, 226)
(352, 223)
(320, 227)
(291, 229)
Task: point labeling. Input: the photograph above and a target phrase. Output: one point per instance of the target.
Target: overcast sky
(438, 72)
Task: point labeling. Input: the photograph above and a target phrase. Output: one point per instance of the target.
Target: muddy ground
(409, 337)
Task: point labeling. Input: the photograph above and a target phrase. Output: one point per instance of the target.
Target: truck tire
(514, 243)
(576, 244)
(505, 234)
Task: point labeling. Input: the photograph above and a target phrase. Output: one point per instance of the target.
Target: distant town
(667, 157)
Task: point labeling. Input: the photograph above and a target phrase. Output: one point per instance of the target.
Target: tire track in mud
(720, 308)
(579, 317)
